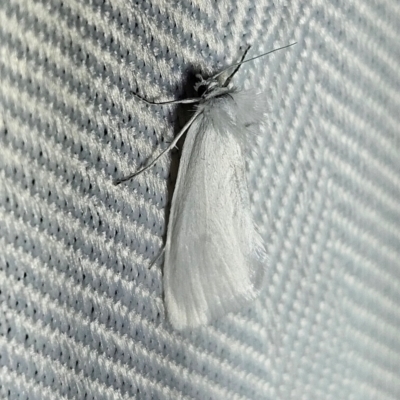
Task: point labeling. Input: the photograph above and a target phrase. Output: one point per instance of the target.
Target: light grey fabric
(81, 312)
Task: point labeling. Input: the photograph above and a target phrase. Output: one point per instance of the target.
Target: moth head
(205, 86)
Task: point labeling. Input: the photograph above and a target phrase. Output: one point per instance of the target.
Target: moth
(214, 260)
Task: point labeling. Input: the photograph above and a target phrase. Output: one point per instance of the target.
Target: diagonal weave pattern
(81, 312)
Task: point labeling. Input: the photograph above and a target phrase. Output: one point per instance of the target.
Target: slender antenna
(237, 68)
(251, 59)
(163, 103)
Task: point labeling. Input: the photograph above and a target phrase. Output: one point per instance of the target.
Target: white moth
(214, 257)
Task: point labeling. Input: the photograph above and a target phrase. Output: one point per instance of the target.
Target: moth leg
(176, 147)
(158, 258)
(169, 148)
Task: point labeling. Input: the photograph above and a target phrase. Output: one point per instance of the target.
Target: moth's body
(214, 258)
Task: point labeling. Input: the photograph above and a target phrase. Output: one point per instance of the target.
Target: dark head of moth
(213, 87)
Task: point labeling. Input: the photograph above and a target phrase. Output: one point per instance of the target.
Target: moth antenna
(252, 59)
(163, 103)
(228, 80)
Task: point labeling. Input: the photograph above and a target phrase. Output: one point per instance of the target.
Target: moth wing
(214, 257)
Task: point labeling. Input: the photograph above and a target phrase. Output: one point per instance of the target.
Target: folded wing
(214, 258)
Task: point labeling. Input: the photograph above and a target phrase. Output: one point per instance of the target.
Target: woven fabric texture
(81, 311)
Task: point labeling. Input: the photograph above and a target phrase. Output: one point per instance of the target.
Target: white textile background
(81, 313)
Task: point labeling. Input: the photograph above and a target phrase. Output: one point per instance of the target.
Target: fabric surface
(81, 311)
